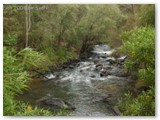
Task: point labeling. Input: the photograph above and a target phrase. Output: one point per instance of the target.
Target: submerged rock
(119, 72)
(104, 98)
(58, 103)
(109, 87)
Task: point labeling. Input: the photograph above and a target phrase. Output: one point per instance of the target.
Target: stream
(92, 86)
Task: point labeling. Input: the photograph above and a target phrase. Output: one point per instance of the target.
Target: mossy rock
(140, 86)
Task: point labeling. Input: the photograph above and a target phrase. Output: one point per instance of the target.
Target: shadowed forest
(101, 53)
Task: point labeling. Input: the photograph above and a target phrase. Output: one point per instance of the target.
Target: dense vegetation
(37, 37)
(139, 45)
(16, 78)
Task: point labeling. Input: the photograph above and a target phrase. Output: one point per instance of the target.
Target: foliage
(10, 40)
(16, 79)
(27, 56)
(17, 108)
(147, 15)
(63, 26)
(143, 105)
(58, 56)
(139, 45)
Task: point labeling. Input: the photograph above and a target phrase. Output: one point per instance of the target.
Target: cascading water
(81, 85)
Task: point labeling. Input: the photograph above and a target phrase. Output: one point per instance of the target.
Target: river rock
(71, 66)
(117, 111)
(98, 67)
(49, 76)
(121, 60)
(111, 60)
(58, 103)
(103, 72)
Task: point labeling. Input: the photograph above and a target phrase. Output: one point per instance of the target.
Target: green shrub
(143, 105)
(15, 79)
(27, 56)
(59, 56)
(139, 45)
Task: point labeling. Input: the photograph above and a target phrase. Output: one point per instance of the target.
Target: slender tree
(28, 24)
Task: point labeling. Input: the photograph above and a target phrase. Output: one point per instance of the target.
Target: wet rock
(119, 72)
(104, 56)
(71, 66)
(117, 111)
(90, 58)
(140, 86)
(92, 76)
(111, 60)
(49, 77)
(98, 67)
(121, 60)
(107, 67)
(103, 72)
(87, 68)
(58, 103)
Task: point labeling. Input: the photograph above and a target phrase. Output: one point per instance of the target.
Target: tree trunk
(84, 47)
(28, 24)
